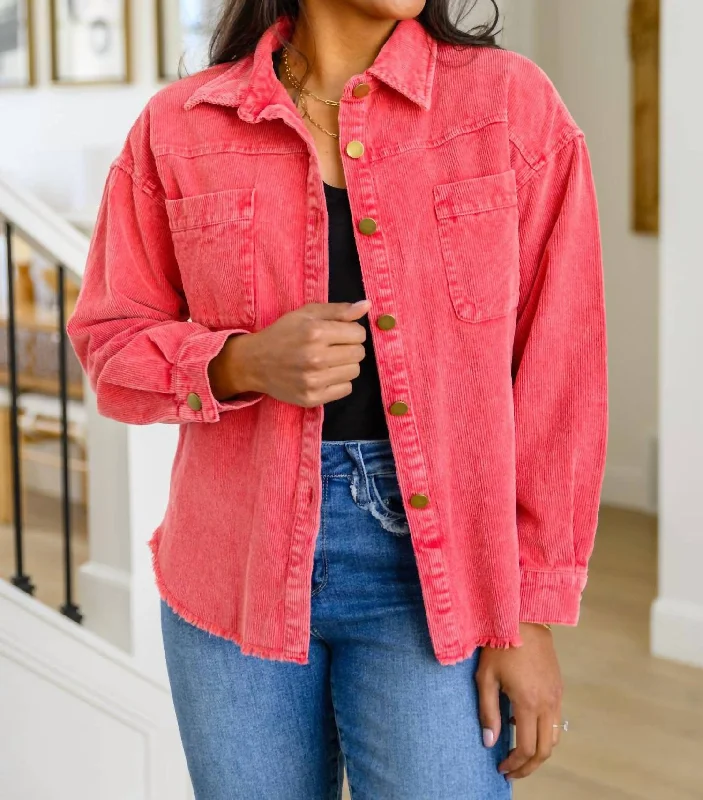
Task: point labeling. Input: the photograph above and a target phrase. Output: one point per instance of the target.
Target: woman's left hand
(531, 678)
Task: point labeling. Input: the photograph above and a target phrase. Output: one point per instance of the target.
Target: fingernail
(359, 303)
(488, 737)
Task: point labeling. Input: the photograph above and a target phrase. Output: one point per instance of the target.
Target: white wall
(677, 619)
(519, 26)
(52, 126)
(583, 47)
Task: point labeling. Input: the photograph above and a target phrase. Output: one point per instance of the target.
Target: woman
(357, 262)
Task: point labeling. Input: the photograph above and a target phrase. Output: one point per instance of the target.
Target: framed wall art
(644, 49)
(184, 28)
(90, 41)
(16, 61)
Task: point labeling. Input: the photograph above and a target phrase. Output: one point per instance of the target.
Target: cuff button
(194, 401)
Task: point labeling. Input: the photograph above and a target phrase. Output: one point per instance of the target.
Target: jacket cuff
(551, 597)
(191, 381)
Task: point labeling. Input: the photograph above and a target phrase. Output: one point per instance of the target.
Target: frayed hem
(247, 648)
(488, 641)
(500, 644)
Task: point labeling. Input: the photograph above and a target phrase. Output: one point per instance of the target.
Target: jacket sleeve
(560, 382)
(130, 327)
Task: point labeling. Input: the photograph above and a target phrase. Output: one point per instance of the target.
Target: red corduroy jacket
(486, 253)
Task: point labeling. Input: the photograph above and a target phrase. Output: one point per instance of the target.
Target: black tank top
(359, 415)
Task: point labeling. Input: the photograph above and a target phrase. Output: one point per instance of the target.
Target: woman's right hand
(307, 357)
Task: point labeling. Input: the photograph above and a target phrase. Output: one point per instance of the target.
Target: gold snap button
(399, 408)
(361, 90)
(419, 500)
(385, 322)
(367, 226)
(194, 401)
(355, 149)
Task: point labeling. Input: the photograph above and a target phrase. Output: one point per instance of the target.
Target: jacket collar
(406, 63)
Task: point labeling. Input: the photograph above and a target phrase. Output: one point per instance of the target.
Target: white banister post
(677, 614)
(130, 470)
(151, 450)
(104, 581)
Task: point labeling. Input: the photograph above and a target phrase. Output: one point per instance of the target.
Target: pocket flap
(473, 195)
(210, 209)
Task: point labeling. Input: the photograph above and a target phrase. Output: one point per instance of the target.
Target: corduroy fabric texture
(487, 253)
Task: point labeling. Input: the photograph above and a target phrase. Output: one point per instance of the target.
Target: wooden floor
(636, 721)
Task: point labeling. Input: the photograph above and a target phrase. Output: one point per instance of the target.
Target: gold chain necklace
(303, 98)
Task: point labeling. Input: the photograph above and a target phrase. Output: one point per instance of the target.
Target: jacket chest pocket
(213, 239)
(478, 230)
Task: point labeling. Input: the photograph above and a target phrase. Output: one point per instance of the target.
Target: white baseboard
(105, 595)
(677, 631)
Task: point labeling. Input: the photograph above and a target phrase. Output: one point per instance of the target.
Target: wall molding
(677, 631)
(84, 669)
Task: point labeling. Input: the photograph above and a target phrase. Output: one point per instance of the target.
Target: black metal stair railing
(20, 578)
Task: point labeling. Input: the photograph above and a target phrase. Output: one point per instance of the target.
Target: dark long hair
(243, 22)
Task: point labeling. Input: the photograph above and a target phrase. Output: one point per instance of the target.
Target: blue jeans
(373, 697)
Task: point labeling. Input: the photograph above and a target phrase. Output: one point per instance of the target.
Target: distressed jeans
(373, 698)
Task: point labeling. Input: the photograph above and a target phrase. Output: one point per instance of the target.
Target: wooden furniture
(5, 458)
(644, 49)
(37, 344)
(37, 339)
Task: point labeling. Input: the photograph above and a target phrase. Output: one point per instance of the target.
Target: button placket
(360, 183)
(355, 149)
(399, 408)
(368, 226)
(361, 90)
(419, 500)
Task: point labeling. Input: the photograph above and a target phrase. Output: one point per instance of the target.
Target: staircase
(85, 710)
